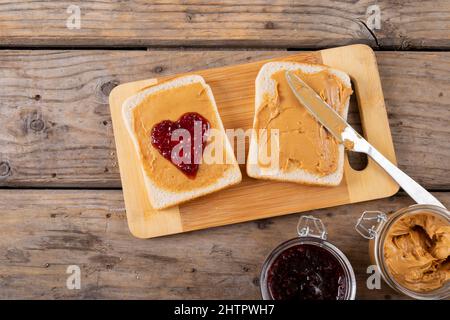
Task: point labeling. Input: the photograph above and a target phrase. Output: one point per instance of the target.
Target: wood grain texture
(56, 126)
(417, 96)
(54, 112)
(44, 231)
(280, 23)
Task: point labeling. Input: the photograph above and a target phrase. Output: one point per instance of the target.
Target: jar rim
(338, 254)
(440, 293)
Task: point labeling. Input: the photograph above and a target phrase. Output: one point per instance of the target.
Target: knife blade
(318, 108)
(353, 141)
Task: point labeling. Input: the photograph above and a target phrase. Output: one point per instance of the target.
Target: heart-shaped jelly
(161, 136)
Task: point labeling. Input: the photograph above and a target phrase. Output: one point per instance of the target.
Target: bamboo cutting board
(233, 89)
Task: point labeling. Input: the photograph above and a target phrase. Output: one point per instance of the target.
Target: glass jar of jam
(307, 267)
(410, 249)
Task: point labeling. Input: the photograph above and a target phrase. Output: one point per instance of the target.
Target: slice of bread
(267, 87)
(161, 198)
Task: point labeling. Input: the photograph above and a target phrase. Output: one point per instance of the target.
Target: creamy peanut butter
(349, 145)
(171, 104)
(304, 143)
(417, 251)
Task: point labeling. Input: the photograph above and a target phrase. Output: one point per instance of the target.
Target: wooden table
(60, 197)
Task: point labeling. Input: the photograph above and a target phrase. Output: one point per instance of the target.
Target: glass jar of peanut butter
(411, 249)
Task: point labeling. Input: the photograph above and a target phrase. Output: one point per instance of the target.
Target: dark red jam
(161, 137)
(306, 272)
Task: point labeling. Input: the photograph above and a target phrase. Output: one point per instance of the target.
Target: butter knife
(346, 135)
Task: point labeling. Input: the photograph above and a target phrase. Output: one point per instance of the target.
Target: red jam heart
(161, 136)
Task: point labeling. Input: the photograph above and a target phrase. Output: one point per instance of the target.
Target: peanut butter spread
(417, 251)
(171, 104)
(303, 142)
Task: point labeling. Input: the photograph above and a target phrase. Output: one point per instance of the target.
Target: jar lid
(309, 226)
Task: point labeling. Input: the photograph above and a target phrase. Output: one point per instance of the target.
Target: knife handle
(415, 190)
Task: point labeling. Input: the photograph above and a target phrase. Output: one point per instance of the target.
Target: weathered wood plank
(281, 23)
(418, 100)
(44, 231)
(54, 113)
(56, 128)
